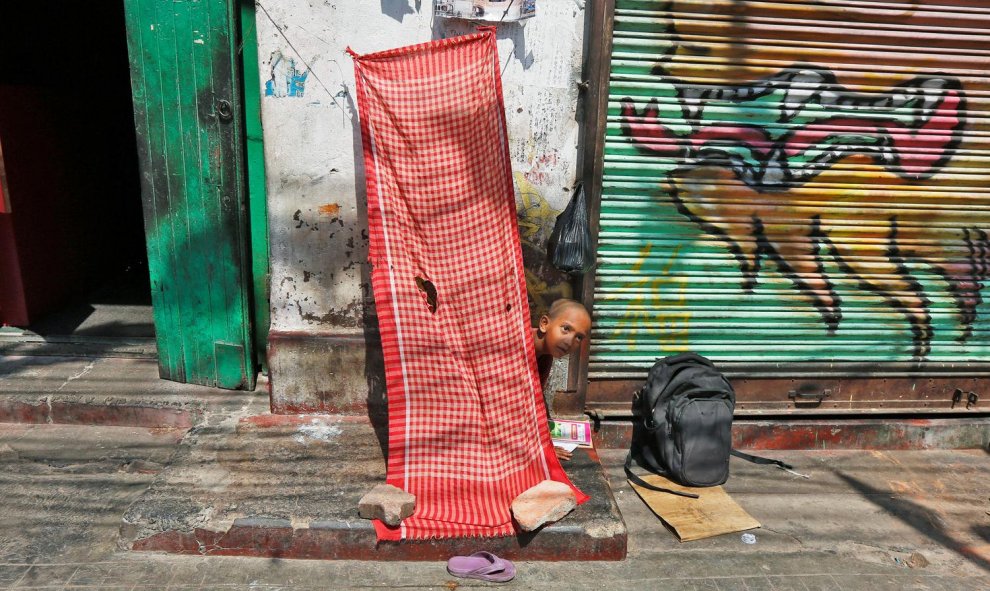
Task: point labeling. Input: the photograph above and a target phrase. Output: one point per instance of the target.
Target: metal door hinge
(971, 398)
(596, 419)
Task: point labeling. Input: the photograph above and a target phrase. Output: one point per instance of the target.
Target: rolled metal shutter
(796, 184)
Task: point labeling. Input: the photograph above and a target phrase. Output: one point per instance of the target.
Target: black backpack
(684, 427)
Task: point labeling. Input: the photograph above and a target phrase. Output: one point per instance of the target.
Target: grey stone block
(546, 502)
(387, 503)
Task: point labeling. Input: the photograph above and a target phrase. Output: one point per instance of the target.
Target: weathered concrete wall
(322, 308)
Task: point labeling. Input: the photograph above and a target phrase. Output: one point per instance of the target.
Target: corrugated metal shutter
(794, 182)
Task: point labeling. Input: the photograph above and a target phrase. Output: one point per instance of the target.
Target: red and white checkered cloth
(467, 425)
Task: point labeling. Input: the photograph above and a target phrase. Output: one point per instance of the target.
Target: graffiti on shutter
(813, 177)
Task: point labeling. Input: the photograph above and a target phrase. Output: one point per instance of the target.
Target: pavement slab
(879, 507)
(151, 571)
(871, 509)
(60, 483)
(967, 430)
(853, 525)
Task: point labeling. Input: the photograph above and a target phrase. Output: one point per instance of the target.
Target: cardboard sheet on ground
(713, 513)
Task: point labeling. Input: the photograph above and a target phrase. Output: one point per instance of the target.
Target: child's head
(564, 327)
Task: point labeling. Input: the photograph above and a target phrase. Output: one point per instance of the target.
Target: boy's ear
(544, 322)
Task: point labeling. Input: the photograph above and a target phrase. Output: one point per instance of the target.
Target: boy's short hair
(562, 304)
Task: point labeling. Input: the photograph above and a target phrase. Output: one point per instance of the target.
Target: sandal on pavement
(483, 566)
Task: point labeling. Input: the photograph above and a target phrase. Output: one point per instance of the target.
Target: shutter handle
(809, 396)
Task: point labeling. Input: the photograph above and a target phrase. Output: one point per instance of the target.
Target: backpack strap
(760, 460)
(639, 481)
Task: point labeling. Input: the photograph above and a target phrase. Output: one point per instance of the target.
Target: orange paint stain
(330, 209)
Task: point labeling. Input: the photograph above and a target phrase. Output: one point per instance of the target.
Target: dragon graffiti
(800, 172)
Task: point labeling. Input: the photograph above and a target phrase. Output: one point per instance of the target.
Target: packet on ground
(566, 433)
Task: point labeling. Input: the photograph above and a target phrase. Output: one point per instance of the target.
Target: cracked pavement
(860, 522)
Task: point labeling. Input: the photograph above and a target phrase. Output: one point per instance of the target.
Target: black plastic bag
(569, 248)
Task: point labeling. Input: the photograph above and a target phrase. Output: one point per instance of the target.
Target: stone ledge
(121, 414)
(289, 488)
(105, 391)
(339, 372)
(836, 433)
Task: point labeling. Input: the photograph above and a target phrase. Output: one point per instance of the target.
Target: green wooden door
(184, 79)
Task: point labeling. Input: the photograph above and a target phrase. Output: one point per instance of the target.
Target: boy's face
(566, 332)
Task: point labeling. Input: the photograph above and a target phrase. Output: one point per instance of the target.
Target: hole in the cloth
(508, 307)
(430, 291)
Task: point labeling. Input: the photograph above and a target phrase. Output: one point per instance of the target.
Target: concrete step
(288, 486)
(888, 433)
(107, 391)
(13, 342)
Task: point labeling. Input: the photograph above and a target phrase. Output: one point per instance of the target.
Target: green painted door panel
(186, 92)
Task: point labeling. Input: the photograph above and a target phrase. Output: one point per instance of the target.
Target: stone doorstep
(333, 530)
(108, 392)
(123, 414)
(88, 347)
(594, 531)
(356, 540)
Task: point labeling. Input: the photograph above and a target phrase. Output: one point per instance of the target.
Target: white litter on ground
(316, 431)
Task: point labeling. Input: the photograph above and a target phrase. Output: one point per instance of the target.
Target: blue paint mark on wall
(285, 79)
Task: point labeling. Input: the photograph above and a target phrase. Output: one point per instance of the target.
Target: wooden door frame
(4, 191)
(257, 197)
(600, 15)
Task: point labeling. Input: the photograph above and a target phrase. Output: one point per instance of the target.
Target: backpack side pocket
(702, 439)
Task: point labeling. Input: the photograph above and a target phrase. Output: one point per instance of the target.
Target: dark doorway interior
(72, 249)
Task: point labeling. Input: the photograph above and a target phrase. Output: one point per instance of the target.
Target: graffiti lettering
(670, 321)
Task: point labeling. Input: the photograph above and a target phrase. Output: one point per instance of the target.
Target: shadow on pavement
(922, 519)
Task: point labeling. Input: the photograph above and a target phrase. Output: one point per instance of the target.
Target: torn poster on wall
(485, 10)
(285, 79)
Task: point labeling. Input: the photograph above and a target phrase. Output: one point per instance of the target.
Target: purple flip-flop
(483, 566)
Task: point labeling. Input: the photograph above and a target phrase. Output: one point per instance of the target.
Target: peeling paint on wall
(285, 79)
(324, 354)
(316, 202)
(542, 167)
(544, 283)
